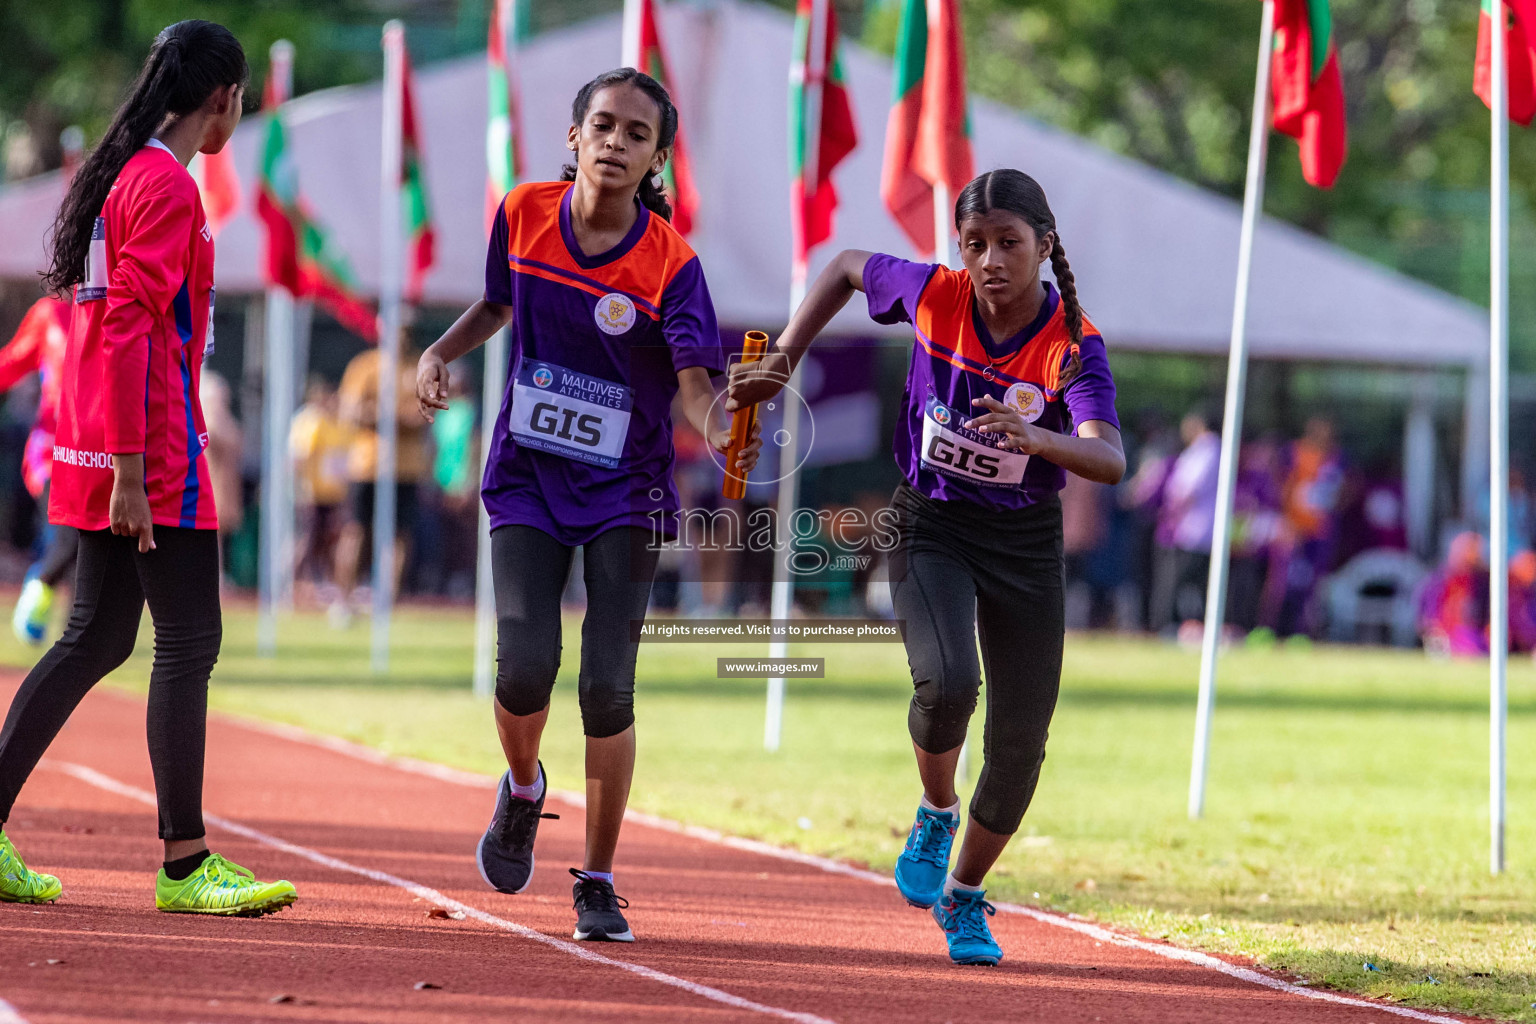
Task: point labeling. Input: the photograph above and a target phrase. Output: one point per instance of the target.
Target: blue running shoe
(923, 865)
(963, 916)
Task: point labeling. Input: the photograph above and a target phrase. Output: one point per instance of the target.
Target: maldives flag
(219, 185)
(416, 214)
(643, 52)
(927, 138)
(821, 129)
(1308, 92)
(299, 255)
(503, 147)
(1519, 37)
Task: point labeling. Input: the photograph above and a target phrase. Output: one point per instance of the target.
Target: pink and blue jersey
(584, 436)
(955, 359)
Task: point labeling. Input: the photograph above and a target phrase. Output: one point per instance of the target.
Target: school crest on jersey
(614, 313)
(1025, 399)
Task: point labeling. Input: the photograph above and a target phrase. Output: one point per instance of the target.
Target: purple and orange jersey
(955, 360)
(584, 437)
(134, 361)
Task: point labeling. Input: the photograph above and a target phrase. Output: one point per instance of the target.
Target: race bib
(570, 414)
(208, 345)
(94, 287)
(950, 449)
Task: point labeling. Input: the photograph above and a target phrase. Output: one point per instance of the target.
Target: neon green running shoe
(219, 887)
(19, 883)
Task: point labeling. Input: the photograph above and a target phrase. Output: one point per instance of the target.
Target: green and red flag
(416, 213)
(503, 146)
(299, 254)
(928, 135)
(821, 128)
(643, 52)
(1308, 92)
(1519, 51)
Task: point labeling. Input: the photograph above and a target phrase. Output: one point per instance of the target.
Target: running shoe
(505, 853)
(30, 620)
(924, 864)
(597, 910)
(219, 887)
(963, 916)
(19, 883)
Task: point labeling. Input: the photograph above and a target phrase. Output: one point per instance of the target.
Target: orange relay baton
(742, 420)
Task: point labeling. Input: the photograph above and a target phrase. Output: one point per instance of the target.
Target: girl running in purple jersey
(610, 319)
(1008, 390)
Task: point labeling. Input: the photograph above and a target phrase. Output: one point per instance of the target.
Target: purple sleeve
(893, 287)
(688, 321)
(498, 274)
(1091, 396)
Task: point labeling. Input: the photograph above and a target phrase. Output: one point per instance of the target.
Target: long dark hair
(651, 192)
(187, 63)
(1019, 194)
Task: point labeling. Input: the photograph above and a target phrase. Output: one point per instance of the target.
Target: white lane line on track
(111, 785)
(709, 835)
(8, 1014)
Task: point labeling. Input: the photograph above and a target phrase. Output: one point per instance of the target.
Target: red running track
(726, 933)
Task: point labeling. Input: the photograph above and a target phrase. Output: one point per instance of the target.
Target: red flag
(1519, 51)
(503, 146)
(220, 187)
(825, 134)
(927, 138)
(416, 213)
(1308, 92)
(649, 57)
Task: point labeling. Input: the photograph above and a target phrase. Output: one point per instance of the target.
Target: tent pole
(391, 245)
(1498, 462)
(1232, 418)
(494, 383)
(783, 599)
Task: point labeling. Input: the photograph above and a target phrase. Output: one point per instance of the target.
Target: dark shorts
(360, 497)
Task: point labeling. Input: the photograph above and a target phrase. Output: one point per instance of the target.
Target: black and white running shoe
(505, 853)
(597, 910)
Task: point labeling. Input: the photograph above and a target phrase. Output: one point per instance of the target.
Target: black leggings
(180, 580)
(530, 569)
(960, 570)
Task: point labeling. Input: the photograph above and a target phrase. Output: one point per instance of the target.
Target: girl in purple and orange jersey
(610, 320)
(128, 466)
(1008, 390)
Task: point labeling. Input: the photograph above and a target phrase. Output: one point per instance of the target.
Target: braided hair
(188, 62)
(1018, 193)
(652, 194)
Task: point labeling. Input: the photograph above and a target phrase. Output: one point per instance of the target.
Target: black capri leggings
(180, 580)
(530, 569)
(959, 570)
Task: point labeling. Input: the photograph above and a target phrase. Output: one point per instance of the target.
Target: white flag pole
(1232, 418)
(492, 386)
(1498, 464)
(275, 474)
(813, 75)
(629, 46)
(391, 284)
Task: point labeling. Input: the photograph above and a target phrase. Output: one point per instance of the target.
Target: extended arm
(468, 333)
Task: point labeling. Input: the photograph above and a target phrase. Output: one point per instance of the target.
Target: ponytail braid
(188, 61)
(1066, 284)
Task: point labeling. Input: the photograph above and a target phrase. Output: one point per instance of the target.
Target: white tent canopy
(1154, 256)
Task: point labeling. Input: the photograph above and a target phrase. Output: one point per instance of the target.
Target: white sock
(601, 876)
(953, 809)
(529, 793)
(950, 885)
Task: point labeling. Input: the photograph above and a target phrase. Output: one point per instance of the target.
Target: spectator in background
(1255, 528)
(358, 396)
(1185, 523)
(1309, 503)
(455, 472)
(38, 347)
(1142, 493)
(1522, 602)
(319, 443)
(1453, 610)
(225, 441)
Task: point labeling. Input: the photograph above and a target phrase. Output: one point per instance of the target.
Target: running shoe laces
(930, 840)
(595, 895)
(967, 915)
(516, 827)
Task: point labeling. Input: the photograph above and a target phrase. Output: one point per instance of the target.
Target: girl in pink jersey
(128, 471)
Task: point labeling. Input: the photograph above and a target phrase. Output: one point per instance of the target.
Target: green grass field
(1346, 816)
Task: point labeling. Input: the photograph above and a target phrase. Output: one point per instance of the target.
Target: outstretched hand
(750, 383)
(431, 384)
